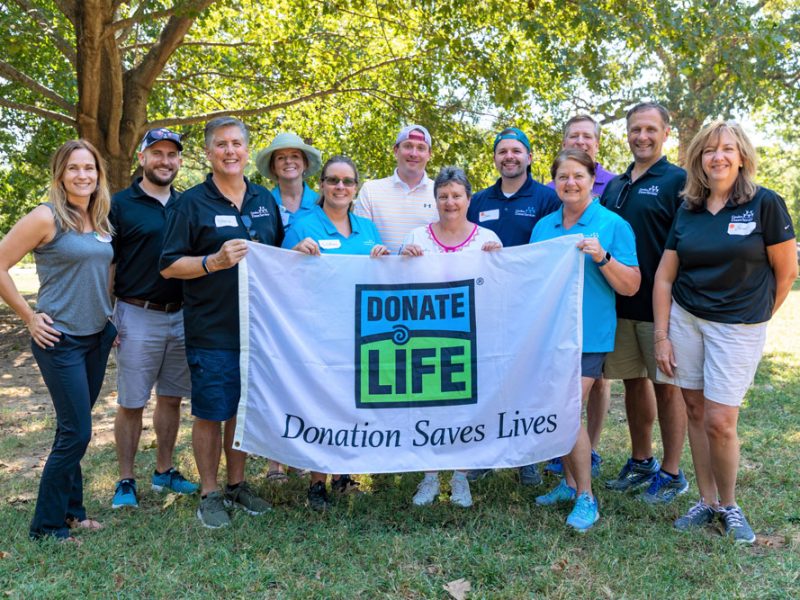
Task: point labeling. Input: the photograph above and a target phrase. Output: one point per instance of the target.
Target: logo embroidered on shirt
(746, 217)
(261, 212)
(528, 211)
(651, 191)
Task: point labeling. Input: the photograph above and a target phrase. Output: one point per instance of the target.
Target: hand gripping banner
(351, 364)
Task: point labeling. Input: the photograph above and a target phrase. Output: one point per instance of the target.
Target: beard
(151, 175)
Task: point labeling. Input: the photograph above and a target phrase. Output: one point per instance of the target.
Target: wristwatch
(605, 260)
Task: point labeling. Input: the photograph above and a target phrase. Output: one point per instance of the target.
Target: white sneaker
(427, 491)
(459, 491)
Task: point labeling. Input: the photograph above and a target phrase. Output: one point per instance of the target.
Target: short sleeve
(363, 207)
(776, 223)
(113, 218)
(623, 246)
(177, 237)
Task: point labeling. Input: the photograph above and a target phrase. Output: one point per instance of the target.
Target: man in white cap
(403, 201)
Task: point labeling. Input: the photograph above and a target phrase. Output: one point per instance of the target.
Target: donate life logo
(415, 345)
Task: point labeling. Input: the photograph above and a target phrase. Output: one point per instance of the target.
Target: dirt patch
(26, 411)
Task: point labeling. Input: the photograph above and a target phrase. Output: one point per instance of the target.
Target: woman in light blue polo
(289, 161)
(611, 266)
(330, 227)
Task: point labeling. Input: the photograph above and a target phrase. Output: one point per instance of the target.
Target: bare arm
(191, 267)
(624, 279)
(662, 302)
(783, 260)
(31, 231)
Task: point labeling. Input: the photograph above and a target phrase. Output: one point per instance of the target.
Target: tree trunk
(687, 129)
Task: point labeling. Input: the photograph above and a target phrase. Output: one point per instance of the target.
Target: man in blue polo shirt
(206, 238)
(511, 208)
(149, 319)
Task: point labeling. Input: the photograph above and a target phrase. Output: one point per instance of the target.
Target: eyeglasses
(248, 224)
(347, 181)
(624, 192)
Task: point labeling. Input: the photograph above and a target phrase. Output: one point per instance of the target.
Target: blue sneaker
(736, 525)
(529, 475)
(597, 460)
(125, 494)
(634, 475)
(174, 481)
(561, 493)
(584, 514)
(665, 488)
(554, 466)
(478, 474)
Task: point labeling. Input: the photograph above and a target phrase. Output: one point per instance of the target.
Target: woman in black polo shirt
(729, 264)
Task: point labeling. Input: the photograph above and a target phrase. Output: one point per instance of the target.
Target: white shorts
(719, 358)
(150, 352)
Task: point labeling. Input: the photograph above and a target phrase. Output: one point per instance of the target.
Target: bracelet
(205, 266)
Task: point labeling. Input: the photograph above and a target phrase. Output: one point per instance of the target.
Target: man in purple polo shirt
(582, 132)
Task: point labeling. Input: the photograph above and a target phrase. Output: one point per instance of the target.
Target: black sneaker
(318, 497)
(345, 485)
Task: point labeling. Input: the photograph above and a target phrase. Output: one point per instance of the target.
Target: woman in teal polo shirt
(330, 227)
(289, 161)
(611, 266)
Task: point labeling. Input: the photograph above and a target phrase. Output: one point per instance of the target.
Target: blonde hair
(66, 215)
(697, 190)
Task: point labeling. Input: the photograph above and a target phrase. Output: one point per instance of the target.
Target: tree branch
(69, 8)
(36, 14)
(12, 74)
(140, 16)
(42, 112)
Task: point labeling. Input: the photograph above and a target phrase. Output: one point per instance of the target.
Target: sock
(673, 475)
(646, 461)
(230, 487)
(460, 476)
(432, 476)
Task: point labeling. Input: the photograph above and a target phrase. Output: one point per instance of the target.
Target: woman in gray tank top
(71, 335)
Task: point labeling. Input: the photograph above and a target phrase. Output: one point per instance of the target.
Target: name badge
(741, 228)
(489, 215)
(100, 237)
(330, 244)
(225, 221)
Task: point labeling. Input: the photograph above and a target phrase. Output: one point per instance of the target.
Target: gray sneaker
(700, 515)
(529, 475)
(212, 513)
(459, 491)
(243, 497)
(736, 525)
(634, 475)
(427, 491)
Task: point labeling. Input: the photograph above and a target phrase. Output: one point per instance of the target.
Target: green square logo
(415, 345)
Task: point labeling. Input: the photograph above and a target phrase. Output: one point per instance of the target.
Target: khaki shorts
(634, 352)
(718, 358)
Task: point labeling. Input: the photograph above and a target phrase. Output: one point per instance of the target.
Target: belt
(169, 307)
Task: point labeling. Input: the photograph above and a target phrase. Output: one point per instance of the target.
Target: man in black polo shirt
(647, 196)
(149, 319)
(206, 233)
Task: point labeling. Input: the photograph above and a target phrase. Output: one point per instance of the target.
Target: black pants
(73, 371)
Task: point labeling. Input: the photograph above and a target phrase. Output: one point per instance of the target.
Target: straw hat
(285, 141)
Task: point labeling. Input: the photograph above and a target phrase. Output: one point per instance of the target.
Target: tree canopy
(347, 73)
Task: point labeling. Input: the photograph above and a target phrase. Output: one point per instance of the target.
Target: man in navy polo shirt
(149, 319)
(511, 208)
(647, 196)
(206, 238)
(582, 132)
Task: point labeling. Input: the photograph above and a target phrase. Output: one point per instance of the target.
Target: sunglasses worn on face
(347, 181)
(248, 224)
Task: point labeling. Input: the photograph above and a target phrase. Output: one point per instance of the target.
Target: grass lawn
(377, 545)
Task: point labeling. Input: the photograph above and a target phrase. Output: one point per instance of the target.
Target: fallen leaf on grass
(458, 588)
(771, 541)
(559, 565)
(23, 499)
(432, 570)
(4, 554)
(118, 581)
(169, 501)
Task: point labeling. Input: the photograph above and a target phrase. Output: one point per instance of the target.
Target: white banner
(351, 364)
